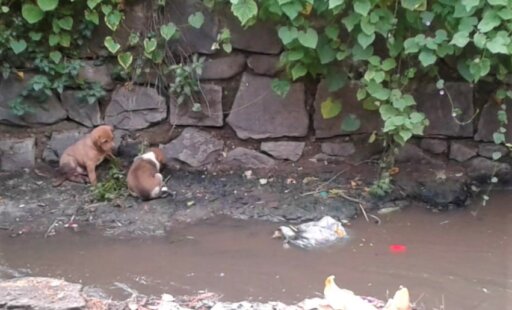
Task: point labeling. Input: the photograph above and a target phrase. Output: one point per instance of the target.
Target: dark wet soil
(454, 260)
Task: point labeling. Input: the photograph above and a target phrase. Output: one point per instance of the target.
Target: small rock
(58, 143)
(258, 112)
(482, 170)
(192, 40)
(136, 108)
(487, 149)
(327, 159)
(223, 68)
(434, 146)
(462, 150)
(488, 123)
(370, 121)
(194, 147)
(249, 158)
(438, 109)
(435, 192)
(259, 38)
(264, 64)
(40, 293)
(211, 109)
(412, 153)
(79, 111)
(45, 112)
(17, 154)
(284, 149)
(338, 149)
(100, 74)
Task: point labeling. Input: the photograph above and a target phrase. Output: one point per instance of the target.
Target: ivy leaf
(377, 90)
(287, 34)
(463, 69)
(332, 32)
(460, 39)
(47, 5)
(330, 108)
(113, 19)
(499, 44)
(336, 80)
(496, 155)
(411, 46)
(489, 21)
(335, 3)
(350, 123)
(149, 45)
(498, 137)
(362, 7)
(31, 13)
(92, 16)
(53, 39)
(244, 10)
(388, 64)
(18, 46)
(369, 104)
(387, 112)
(405, 135)
(66, 23)
(92, 3)
(294, 55)
(196, 20)
(298, 71)
(440, 84)
(325, 53)
(365, 40)
(441, 36)
(479, 68)
(35, 36)
(414, 5)
(470, 4)
(497, 2)
(168, 31)
(125, 59)
(351, 20)
(427, 58)
(281, 87)
(292, 9)
(65, 39)
(308, 38)
(505, 13)
(417, 117)
(111, 44)
(360, 53)
(56, 56)
(366, 26)
(479, 39)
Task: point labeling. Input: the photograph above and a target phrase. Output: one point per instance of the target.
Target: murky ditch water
(453, 259)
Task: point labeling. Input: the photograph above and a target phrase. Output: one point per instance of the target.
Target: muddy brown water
(453, 259)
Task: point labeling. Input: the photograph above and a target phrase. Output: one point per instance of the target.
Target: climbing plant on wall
(385, 45)
(47, 37)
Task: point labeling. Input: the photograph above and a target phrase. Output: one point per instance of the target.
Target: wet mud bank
(29, 203)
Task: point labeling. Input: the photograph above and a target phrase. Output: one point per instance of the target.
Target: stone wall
(237, 97)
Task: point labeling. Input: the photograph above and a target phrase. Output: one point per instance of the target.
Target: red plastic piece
(397, 248)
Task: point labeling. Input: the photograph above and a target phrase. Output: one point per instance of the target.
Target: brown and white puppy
(78, 162)
(144, 178)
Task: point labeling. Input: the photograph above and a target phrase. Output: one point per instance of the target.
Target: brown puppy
(144, 179)
(78, 162)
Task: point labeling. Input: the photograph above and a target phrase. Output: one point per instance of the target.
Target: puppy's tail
(62, 176)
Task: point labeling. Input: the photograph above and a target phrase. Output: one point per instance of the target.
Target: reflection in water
(452, 258)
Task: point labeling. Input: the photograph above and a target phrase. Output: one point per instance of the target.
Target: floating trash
(320, 233)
